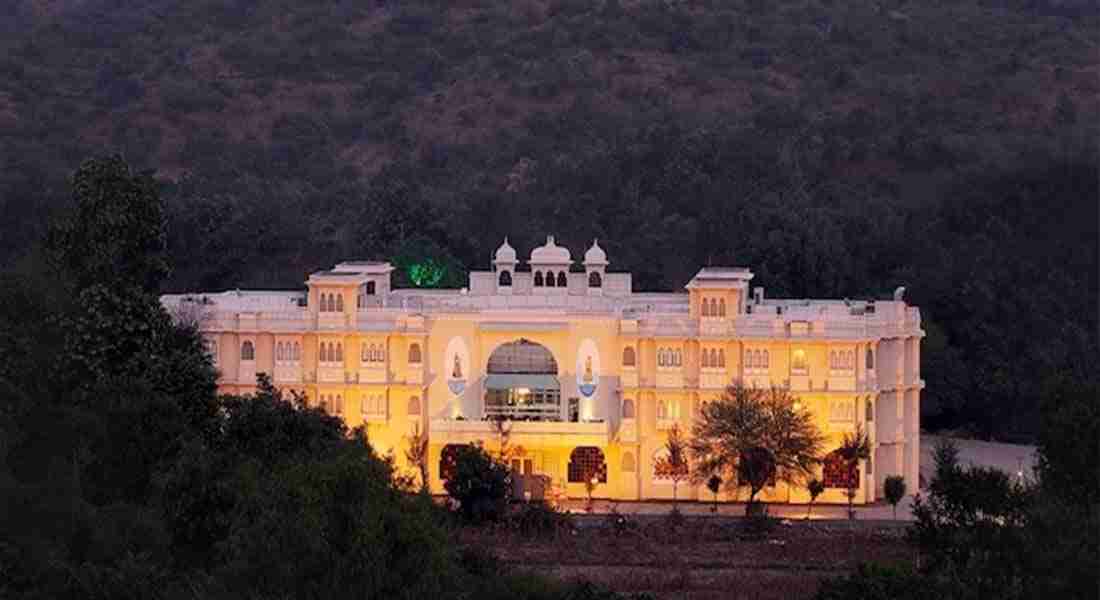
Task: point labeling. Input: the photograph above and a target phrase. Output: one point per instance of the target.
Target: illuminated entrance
(521, 383)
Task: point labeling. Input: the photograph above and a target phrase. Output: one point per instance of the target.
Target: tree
(674, 465)
(417, 454)
(480, 484)
(714, 483)
(116, 231)
(752, 435)
(855, 447)
(816, 487)
(895, 491)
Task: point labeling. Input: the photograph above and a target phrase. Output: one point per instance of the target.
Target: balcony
(713, 379)
(670, 378)
(330, 374)
(564, 434)
(628, 377)
(372, 374)
(328, 320)
(288, 373)
(665, 423)
(414, 374)
(628, 431)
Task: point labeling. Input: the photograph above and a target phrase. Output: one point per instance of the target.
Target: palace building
(589, 373)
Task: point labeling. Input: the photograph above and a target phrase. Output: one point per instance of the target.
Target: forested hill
(839, 148)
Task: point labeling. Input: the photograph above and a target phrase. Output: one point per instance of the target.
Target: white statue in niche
(457, 373)
(588, 369)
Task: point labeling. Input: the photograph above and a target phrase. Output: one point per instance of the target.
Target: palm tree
(855, 447)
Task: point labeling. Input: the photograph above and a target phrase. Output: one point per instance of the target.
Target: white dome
(506, 253)
(550, 254)
(595, 255)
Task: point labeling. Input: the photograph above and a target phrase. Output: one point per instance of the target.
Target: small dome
(595, 255)
(550, 254)
(506, 253)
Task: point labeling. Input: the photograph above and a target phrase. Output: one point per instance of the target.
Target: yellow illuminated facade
(589, 374)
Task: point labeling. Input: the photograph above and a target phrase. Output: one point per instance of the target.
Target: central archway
(521, 383)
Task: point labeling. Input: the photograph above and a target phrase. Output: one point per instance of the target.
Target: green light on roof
(426, 273)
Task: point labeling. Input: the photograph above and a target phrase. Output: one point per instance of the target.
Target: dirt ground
(701, 558)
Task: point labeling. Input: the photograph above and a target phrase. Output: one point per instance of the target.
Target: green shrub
(894, 487)
(539, 519)
(879, 582)
(481, 485)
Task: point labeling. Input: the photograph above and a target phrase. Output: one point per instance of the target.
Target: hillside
(837, 148)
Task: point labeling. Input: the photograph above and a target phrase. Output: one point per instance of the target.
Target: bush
(879, 582)
(480, 485)
(539, 519)
(619, 523)
(895, 491)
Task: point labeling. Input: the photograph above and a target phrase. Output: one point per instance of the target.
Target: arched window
(850, 363)
(563, 280)
(414, 354)
(448, 460)
(327, 303)
(364, 353)
(721, 358)
(538, 278)
(798, 361)
(297, 352)
(662, 409)
(722, 307)
(705, 359)
(629, 360)
(338, 405)
(586, 462)
(870, 359)
(677, 358)
(359, 301)
(549, 279)
(628, 462)
(370, 288)
(714, 307)
(248, 351)
(339, 303)
(838, 472)
(324, 403)
(414, 405)
(660, 357)
(706, 307)
(628, 408)
(765, 361)
(279, 352)
(594, 279)
(381, 356)
(505, 279)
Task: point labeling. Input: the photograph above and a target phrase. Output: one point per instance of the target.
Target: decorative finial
(549, 240)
